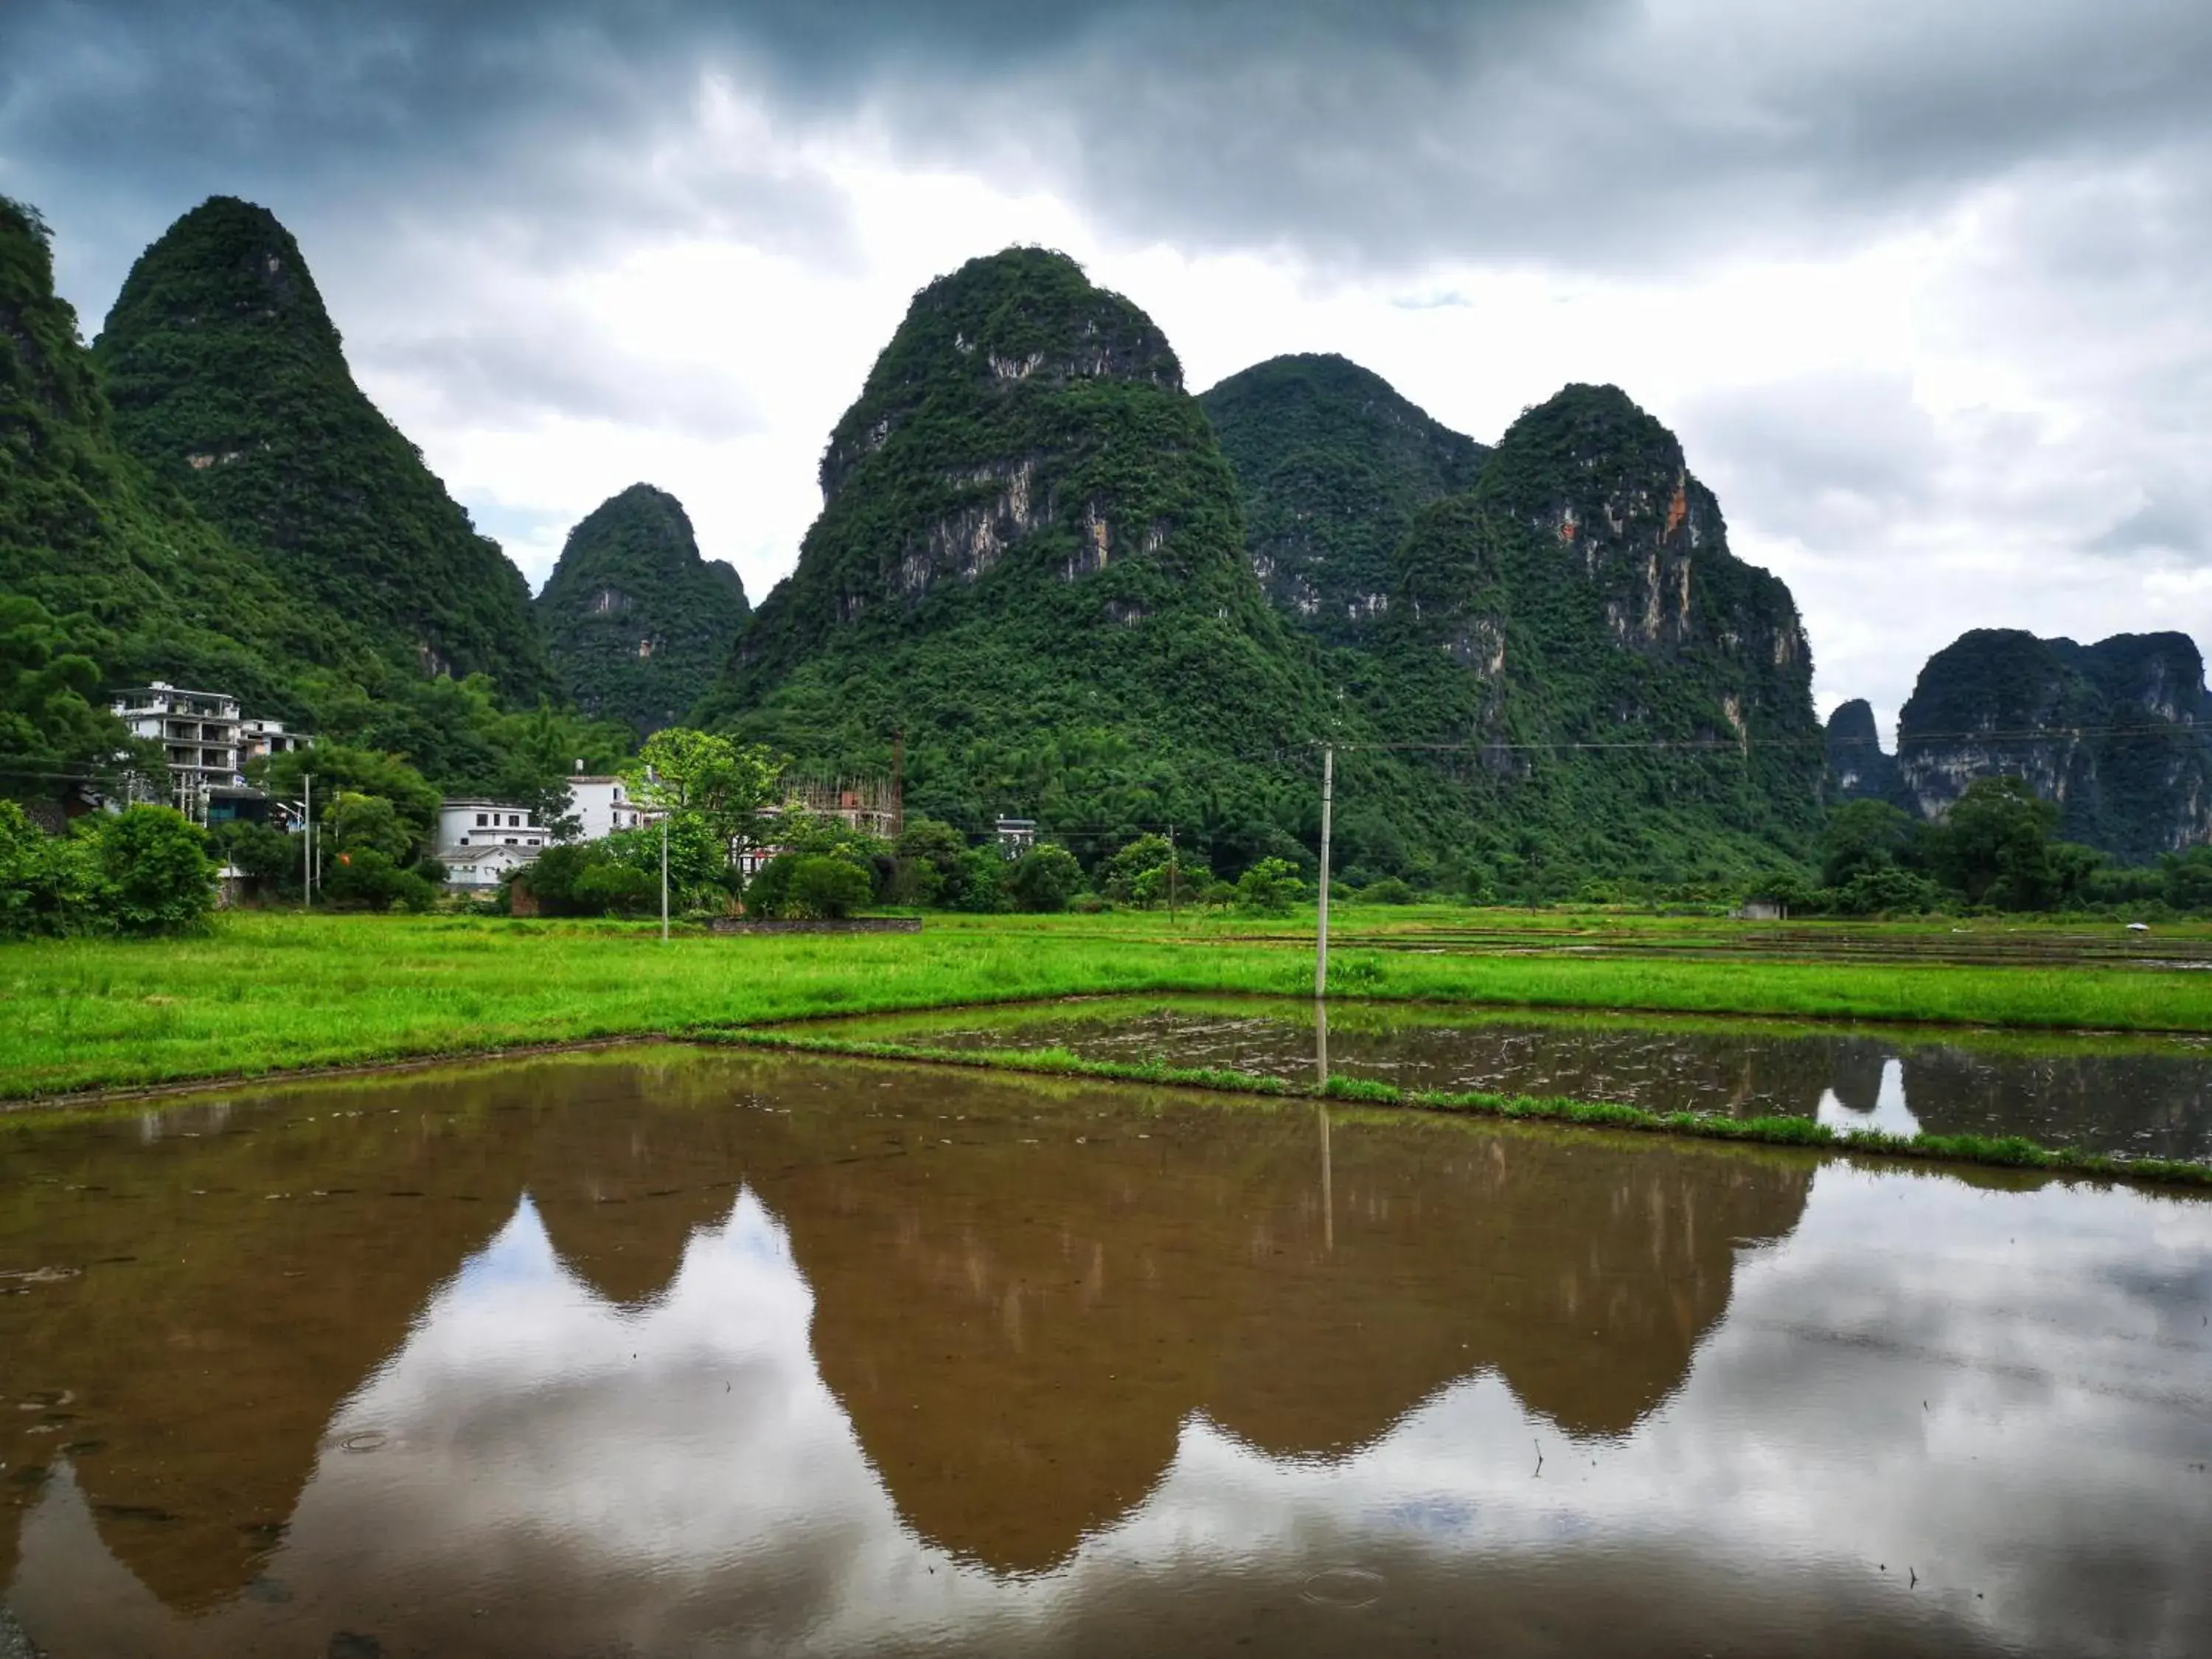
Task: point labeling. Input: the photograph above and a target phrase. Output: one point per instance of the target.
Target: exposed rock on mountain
(1579, 616)
(1858, 769)
(636, 623)
(1030, 558)
(1332, 464)
(229, 381)
(2115, 732)
(84, 528)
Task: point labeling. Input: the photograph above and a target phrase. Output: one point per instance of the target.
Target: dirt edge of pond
(2009, 1152)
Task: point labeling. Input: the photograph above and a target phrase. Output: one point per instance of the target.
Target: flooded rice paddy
(664, 1352)
(2127, 1096)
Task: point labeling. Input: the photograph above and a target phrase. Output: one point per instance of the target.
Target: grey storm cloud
(1368, 132)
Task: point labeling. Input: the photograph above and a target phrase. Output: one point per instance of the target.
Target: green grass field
(271, 992)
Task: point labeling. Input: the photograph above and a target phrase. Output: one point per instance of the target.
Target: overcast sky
(1925, 285)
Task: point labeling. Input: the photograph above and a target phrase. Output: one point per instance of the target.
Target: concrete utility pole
(1171, 876)
(664, 878)
(307, 843)
(1321, 950)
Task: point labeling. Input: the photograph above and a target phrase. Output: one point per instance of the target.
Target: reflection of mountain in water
(1017, 1327)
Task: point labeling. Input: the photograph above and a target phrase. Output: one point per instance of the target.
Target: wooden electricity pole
(1321, 950)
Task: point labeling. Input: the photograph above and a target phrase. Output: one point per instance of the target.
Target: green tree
(52, 724)
(259, 851)
(982, 881)
(825, 887)
(342, 769)
(929, 854)
(1138, 873)
(708, 777)
(2188, 879)
(1044, 878)
(1269, 888)
(370, 878)
(364, 823)
(1863, 836)
(154, 873)
(47, 885)
(1994, 846)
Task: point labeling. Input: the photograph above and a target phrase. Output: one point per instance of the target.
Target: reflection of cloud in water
(1888, 1114)
(2001, 1392)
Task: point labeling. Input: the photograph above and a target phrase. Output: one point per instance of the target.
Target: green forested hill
(2115, 733)
(636, 623)
(85, 529)
(1030, 558)
(229, 381)
(1332, 466)
(1637, 697)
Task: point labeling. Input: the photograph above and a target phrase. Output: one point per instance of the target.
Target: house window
(464, 841)
(514, 820)
(618, 792)
(484, 820)
(511, 841)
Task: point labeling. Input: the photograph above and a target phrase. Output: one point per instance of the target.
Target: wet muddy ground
(2142, 1097)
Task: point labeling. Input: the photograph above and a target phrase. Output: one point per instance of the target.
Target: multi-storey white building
(198, 732)
(207, 742)
(258, 738)
(603, 805)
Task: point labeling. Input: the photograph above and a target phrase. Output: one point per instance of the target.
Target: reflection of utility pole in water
(1328, 1197)
(1321, 1045)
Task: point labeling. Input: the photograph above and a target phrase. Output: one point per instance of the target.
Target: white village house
(480, 842)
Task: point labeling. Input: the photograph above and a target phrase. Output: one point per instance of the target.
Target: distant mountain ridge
(1332, 464)
(636, 623)
(229, 381)
(2115, 732)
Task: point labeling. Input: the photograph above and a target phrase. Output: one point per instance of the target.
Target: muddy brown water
(2136, 1097)
(664, 1352)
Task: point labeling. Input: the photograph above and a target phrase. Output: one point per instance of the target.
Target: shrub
(1044, 879)
(368, 878)
(826, 887)
(982, 881)
(154, 873)
(1389, 890)
(1269, 887)
(817, 886)
(1886, 890)
(46, 884)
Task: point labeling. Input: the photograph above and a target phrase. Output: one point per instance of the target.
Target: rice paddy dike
(271, 993)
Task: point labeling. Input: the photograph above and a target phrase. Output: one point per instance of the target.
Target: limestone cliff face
(229, 380)
(1858, 767)
(1332, 466)
(1028, 534)
(1579, 611)
(636, 623)
(2115, 733)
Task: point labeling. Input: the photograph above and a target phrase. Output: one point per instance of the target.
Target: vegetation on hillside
(229, 382)
(2115, 735)
(637, 624)
(1332, 466)
(87, 532)
(1030, 560)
